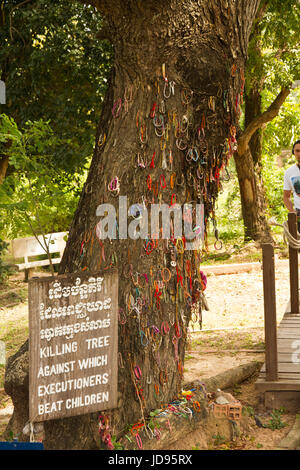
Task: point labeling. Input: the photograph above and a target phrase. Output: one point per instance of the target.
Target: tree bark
(253, 108)
(201, 47)
(3, 167)
(254, 207)
(4, 161)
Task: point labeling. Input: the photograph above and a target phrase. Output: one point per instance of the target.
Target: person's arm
(287, 200)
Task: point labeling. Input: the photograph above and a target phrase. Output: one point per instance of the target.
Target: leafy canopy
(274, 46)
(55, 69)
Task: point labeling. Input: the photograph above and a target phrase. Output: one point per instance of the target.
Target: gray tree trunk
(203, 45)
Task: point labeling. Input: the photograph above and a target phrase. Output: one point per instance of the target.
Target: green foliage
(282, 132)
(274, 47)
(219, 439)
(117, 445)
(279, 135)
(56, 71)
(36, 196)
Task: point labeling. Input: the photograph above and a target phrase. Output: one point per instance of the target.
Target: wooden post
(293, 262)
(270, 312)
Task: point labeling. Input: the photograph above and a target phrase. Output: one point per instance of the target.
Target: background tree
(169, 118)
(55, 70)
(273, 64)
(33, 197)
(56, 76)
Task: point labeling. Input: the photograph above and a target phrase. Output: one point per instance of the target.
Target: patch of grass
(275, 421)
(218, 439)
(235, 249)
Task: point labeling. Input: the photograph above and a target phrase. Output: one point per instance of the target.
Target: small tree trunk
(3, 167)
(248, 167)
(253, 108)
(252, 198)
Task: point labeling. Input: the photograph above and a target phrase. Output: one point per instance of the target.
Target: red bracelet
(164, 185)
(165, 328)
(152, 161)
(139, 440)
(152, 112)
(138, 372)
(177, 330)
(146, 246)
(149, 182)
(172, 197)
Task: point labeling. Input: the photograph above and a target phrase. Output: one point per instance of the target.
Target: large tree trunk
(203, 47)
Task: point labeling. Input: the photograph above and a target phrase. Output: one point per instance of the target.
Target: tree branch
(285, 50)
(104, 33)
(263, 118)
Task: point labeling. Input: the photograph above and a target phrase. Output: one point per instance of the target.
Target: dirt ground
(232, 334)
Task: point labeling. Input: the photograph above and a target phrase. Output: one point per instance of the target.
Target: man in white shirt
(292, 184)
